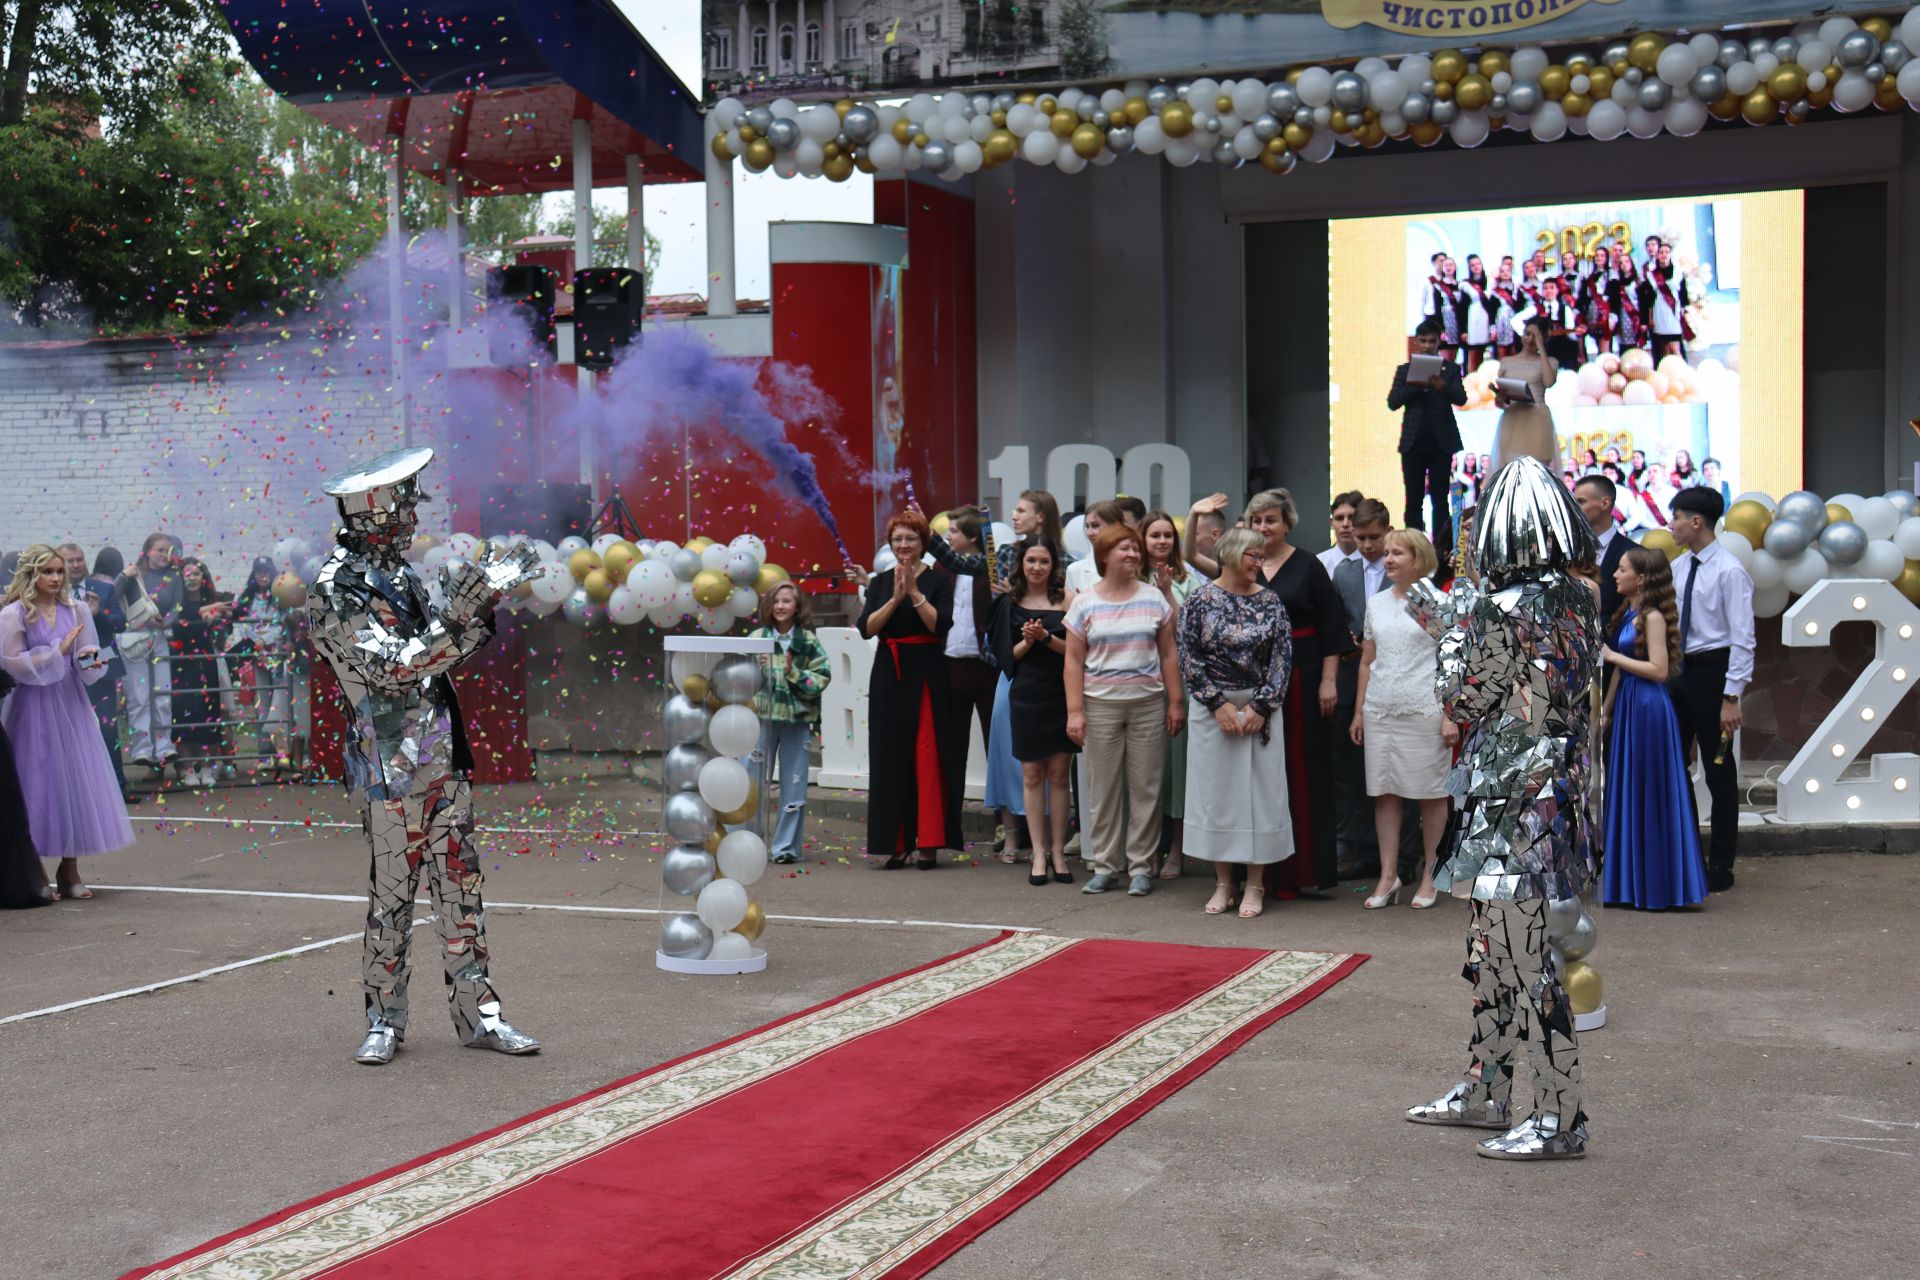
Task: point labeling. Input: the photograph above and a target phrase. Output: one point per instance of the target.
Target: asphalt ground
(1753, 1096)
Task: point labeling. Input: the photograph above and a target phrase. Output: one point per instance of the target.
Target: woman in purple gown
(49, 647)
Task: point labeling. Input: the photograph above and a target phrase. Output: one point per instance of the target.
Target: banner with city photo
(821, 50)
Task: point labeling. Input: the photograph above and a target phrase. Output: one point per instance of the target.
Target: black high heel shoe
(1035, 879)
(895, 862)
(928, 860)
(1062, 877)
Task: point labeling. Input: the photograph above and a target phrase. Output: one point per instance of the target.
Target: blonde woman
(1526, 424)
(1397, 718)
(49, 647)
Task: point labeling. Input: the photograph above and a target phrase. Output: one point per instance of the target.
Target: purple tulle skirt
(73, 799)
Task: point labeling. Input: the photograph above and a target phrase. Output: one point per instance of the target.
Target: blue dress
(1005, 787)
(1653, 850)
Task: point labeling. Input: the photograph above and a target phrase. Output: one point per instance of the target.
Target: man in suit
(1429, 435)
(1596, 495)
(1356, 579)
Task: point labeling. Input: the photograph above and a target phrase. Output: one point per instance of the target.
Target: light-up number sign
(1157, 474)
(1585, 241)
(1811, 788)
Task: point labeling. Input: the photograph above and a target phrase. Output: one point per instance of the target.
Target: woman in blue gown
(1653, 851)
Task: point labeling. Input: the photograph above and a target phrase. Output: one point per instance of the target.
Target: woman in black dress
(198, 639)
(23, 879)
(914, 786)
(1030, 640)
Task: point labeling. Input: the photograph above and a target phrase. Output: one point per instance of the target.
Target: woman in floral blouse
(1236, 655)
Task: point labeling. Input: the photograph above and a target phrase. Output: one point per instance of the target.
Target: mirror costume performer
(407, 759)
(1519, 652)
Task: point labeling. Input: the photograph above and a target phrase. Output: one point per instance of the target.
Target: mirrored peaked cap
(380, 486)
(1528, 523)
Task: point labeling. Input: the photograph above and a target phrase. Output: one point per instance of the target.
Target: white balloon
(600, 544)
(715, 622)
(1851, 501)
(1754, 495)
(742, 856)
(809, 157)
(1801, 573)
(663, 550)
(1771, 602)
(884, 559)
(751, 543)
(553, 584)
(968, 156)
(1642, 123)
(1068, 161)
(1765, 571)
(1202, 92)
(724, 783)
(1003, 534)
(570, 544)
(1021, 119)
(1907, 537)
(1181, 152)
(1041, 147)
(1883, 560)
(1742, 76)
(542, 608)
(1813, 54)
(735, 730)
(1386, 91)
(1739, 548)
(1706, 48)
(1469, 129)
(1150, 139)
(1549, 123)
(624, 608)
(1834, 30)
(1910, 29)
(665, 617)
(1677, 65)
(1877, 516)
(884, 153)
(722, 905)
(1607, 120)
(1247, 144)
(1078, 545)
(1527, 63)
(730, 946)
(1854, 92)
(1686, 117)
(743, 603)
(1315, 86)
(1318, 148)
(715, 558)
(651, 583)
(1249, 98)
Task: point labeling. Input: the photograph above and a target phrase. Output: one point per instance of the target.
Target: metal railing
(279, 711)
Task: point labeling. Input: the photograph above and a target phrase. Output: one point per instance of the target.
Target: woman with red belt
(913, 785)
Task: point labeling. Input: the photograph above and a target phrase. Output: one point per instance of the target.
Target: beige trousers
(1125, 758)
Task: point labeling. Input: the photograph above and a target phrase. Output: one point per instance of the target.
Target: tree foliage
(610, 238)
(1083, 38)
(111, 57)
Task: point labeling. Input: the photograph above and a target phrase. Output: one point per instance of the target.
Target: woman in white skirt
(1236, 654)
(1409, 743)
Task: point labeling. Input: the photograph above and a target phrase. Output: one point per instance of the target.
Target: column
(743, 51)
(637, 215)
(720, 280)
(396, 285)
(582, 259)
(456, 252)
(829, 38)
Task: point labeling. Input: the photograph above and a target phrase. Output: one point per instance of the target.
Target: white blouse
(1405, 661)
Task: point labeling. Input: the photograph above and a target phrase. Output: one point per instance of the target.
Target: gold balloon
(1026, 95)
(599, 585)
(1426, 133)
(838, 168)
(1338, 121)
(1448, 65)
(583, 562)
(1600, 83)
(1579, 63)
(1493, 62)
(289, 590)
(1788, 83)
(699, 545)
(1473, 92)
(759, 153)
(1725, 107)
(903, 131)
(696, 687)
(1296, 135)
(769, 577)
(1749, 519)
(721, 150)
(1137, 110)
(1087, 141)
(1909, 581)
(1759, 107)
(843, 106)
(1271, 162)
(1223, 104)
(1443, 91)
(1556, 82)
(1278, 146)
(618, 560)
(1063, 123)
(1581, 982)
(748, 133)
(1047, 104)
(1176, 118)
(999, 119)
(711, 588)
(1643, 51)
(831, 150)
(1662, 541)
(1836, 513)
(1822, 97)
(922, 139)
(940, 524)
(1576, 104)
(753, 924)
(1000, 146)
(748, 807)
(1888, 97)
(1882, 29)
(712, 842)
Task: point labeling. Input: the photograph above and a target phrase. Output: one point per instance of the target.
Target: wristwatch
(1730, 697)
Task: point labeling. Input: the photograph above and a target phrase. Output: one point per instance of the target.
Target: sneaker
(1073, 843)
(1100, 883)
(786, 859)
(1140, 886)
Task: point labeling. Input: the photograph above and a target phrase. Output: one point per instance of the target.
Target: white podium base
(1590, 1021)
(752, 964)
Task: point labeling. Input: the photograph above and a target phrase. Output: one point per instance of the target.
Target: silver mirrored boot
(1464, 1104)
(1539, 1137)
(503, 1038)
(377, 1050)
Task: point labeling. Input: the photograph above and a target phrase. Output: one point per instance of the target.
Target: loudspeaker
(607, 304)
(527, 290)
(550, 511)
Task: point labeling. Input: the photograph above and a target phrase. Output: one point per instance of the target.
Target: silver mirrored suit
(406, 753)
(1519, 652)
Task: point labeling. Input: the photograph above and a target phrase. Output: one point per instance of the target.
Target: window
(722, 50)
(786, 44)
(849, 41)
(760, 47)
(1036, 26)
(813, 44)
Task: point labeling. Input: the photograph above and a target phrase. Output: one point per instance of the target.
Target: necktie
(1350, 580)
(1686, 603)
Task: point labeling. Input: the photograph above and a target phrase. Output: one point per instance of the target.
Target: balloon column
(1572, 933)
(714, 806)
(712, 585)
(1639, 86)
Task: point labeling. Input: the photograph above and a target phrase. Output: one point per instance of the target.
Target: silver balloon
(680, 767)
(1634, 75)
(1732, 51)
(1563, 914)
(1223, 152)
(684, 564)
(578, 608)
(687, 869)
(936, 157)
(1349, 91)
(736, 679)
(1616, 52)
(1100, 119)
(1418, 107)
(688, 818)
(1578, 943)
(1265, 127)
(1857, 48)
(1654, 94)
(1785, 540)
(862, 124)
(1282, 100)
(761, 119)
(1758, 47)
(1446, 112)
(1212, 125)
(1180, 88)
(1784, 47)
(1805, 509)
(1903, 502)
(1086, 107)
(783, 134)
(1286, 162)
(1799, 112)
(1120, 140)
(1843, 542)
(1894, 55)
(685, 721)
(1004, 101)
(1158, 97)
(1524, 97)
(683, 937)
(1498, 106)
(1875, 71)
(1709, 84)
(1303, 116)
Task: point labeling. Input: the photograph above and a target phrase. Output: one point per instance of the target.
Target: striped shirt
(1123, 642)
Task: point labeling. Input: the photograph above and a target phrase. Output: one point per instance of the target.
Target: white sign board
(843, 718)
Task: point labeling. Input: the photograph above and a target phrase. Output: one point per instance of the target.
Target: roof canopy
(487, 88)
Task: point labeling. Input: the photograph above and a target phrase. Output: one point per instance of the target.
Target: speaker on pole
(527, 290)
(607, 304)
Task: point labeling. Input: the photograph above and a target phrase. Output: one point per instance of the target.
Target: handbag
(244, 689)
(136, 640)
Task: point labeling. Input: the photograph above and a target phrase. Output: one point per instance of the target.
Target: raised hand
(66, 645)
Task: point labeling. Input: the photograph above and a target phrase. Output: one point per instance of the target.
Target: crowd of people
(1194, 689)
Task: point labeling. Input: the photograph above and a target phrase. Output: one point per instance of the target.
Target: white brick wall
(223, 442)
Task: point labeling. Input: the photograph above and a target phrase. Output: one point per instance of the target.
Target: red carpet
(871, 1136)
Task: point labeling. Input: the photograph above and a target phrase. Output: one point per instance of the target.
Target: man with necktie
(1595, 496)
(1716, 640)
(1356, 579)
